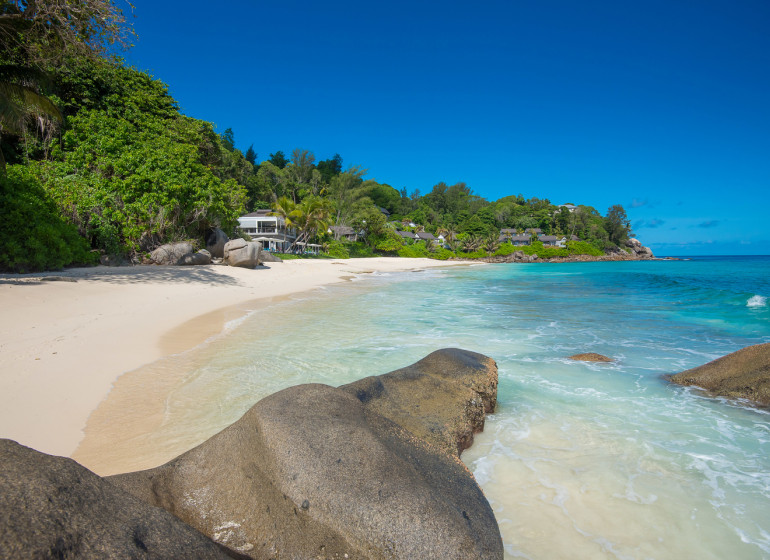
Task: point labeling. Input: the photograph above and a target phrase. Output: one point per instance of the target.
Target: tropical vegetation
(97, 159)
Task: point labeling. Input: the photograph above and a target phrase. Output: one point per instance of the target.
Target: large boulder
(442, 398)
(744, 374)
(267, 256)
(239, 252)
(51, 507)
(199, 258)
(170, 253)
(368, 470)
(215, 243)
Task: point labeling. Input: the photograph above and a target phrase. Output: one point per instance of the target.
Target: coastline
(66, 337)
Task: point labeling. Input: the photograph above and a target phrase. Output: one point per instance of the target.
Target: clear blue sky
(661, 106)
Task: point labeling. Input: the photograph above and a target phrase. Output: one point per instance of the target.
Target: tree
(42, 32)
(616, 225)
(345, 190)
(228, 139)
(278, 159)
(330, 167)
(251, 155)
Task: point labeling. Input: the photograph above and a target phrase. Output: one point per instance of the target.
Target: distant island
(99, 164)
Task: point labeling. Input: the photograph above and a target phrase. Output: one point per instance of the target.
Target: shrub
(360, 250)
(33, 234)
(338, 250)
(583, 248)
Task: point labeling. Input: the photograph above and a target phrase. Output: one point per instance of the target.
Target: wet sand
(66, 337)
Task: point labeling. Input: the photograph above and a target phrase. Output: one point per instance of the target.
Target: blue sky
(661, 106)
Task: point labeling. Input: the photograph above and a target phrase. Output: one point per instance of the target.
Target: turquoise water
(580, 460)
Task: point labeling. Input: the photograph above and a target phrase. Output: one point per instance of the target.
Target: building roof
(258, 213)
(547, 238)
(520, 238)
(407, 234)
(533, 230)
(342, 230)
(426, 235)
(508, 231)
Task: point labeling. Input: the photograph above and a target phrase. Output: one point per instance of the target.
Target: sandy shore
(65, 337)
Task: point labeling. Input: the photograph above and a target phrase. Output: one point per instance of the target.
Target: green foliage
(417, 250)
(506, 249)
(278, 159)
(360, 250)
(442, 254)
(33, 234)
(338, 250)
(583, 248)
(389, 242)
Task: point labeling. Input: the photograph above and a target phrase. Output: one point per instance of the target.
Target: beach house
(269, 230)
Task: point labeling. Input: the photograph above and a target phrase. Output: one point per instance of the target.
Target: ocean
(580, 460)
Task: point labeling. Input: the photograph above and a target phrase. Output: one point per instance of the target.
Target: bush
(416, 251)
(338, 250)
(33, 234)
(360, 250)
(442, 254)
(583, 248)
(506, 249)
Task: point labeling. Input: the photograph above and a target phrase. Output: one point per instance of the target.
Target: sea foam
(756, 301)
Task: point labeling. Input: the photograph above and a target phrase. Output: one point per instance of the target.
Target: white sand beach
(65, 337)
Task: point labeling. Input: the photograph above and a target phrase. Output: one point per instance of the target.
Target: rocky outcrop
(199, 258)
(215, 243)
(170, 253)
(638, 249)
(744, 374)
(516, 256)
(590, 357)
(51, 507)
(367, 470)
(239, 252)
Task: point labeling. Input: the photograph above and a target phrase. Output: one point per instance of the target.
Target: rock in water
(51, 507)
(320, 472)
(442, 398)
(744, 374)
(239, 252)
(590, 357)
(170, 253)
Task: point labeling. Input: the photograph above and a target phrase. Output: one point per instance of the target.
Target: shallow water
(580, 460)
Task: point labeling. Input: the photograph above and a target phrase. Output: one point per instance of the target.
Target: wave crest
(756, 301)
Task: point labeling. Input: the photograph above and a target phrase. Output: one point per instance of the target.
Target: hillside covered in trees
(97, 159)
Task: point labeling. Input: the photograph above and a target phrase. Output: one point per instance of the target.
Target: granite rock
(368, 470)
(52, 507)
(744, 374)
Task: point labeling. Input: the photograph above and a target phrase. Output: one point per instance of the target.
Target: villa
(269, 230)
(519, 240)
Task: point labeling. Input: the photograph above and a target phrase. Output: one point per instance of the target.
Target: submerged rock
(744, 374)
(590, 357)
(368, 470)
(52, 507)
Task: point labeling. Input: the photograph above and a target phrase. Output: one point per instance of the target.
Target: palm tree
(492, 242)
(22, 104)
(310, 216)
